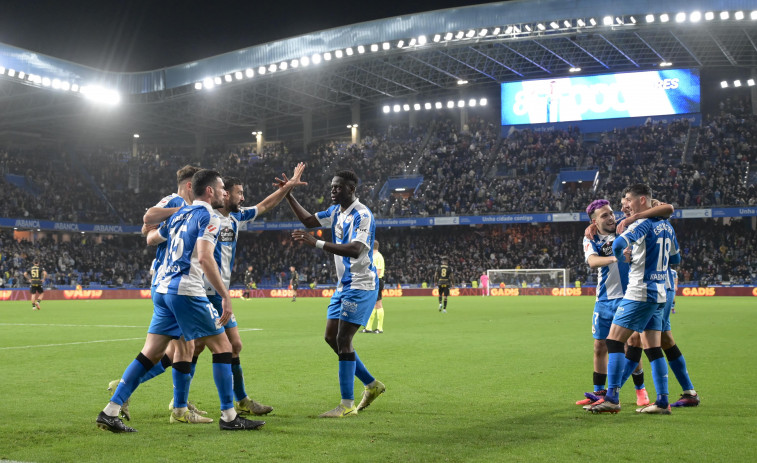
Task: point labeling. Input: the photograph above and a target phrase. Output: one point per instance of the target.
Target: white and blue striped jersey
(226, 248)
(354, 224)
(172, 200)
(182, 273)
(612, 279)
(654, 242)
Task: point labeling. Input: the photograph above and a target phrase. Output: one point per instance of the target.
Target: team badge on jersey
(226, 235)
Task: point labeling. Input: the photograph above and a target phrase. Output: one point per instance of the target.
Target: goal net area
(528, 278)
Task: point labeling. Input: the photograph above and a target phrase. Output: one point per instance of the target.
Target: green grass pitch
(494, 379)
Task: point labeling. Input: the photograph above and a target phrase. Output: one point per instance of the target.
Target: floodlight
(427, 106)
(448, 36)
(396, 108)
(462, 82)
(450, 104)
(386, 109)
(632, 19)
(99, 94)
(739, 15)
(2, 70)
(238, 75)
(400, 44)
(724, 15)
(417, 106)
(664, 18)
(650, 18)
(283, 66)
(516, 30)
(437, 38)
(723, 84)
(540, 26)
(528, 27)
(198, 85)
(496, 31)
(483, 32)
(412, 42)
(228, 78)
(360, 49)
(250, 73)
(45, 80)
(566, 23)
(374, 47)
(136, 135)
(438, 105)
(737, 83)
(22, 74)
(695, 16)
(509, 30)
(348, 51)
(74, 87)
(12, 73)
(316, 58)
(208, 83)
(680, 17)
(753, 15)
(665, 64)
(750, 82)
(422, 40)
(385, 46)
(304, 61)
(592, 21)
(295, 63)
(574, 69)
(460, 35)
(472, 102)
(607, 20)
(461, 104)
(580, 23)
(406, 107)
(261, 70)
(482, 102)
(619, 20)
(327, 56)
(217, 80)
(554, 25)
(339, 54)
(470, 33)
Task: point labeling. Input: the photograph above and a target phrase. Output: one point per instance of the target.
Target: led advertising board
(606, 96)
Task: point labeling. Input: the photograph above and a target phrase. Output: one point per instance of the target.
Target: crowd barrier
(79, 294)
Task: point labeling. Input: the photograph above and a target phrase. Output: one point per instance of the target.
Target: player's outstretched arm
(155, 214)
(351, 249)
(285, 186)
(210, 269)
(596, 261)
(307, 219)
(659, 209)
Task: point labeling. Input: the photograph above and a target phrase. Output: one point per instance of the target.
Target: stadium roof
(397, 60)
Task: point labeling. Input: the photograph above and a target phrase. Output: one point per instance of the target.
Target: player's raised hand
(623, 224)
(304, 237)
(290, 183)
(590, 231)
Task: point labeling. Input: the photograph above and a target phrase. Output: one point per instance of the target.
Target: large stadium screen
(606, 96)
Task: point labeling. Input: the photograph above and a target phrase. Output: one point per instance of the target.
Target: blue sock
(615, 363)
(678, 366)
(347, 375)
(224, 379)
(236, 371)
(193, 366)
(628, 368)
(181, 381)
(660, 376)
(158, 369)
(361, 372)
(130, 379)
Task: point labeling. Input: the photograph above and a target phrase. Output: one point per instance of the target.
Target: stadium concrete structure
(315, 85)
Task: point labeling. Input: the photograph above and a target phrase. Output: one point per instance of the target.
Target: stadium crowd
(465, 172)
(713, 253)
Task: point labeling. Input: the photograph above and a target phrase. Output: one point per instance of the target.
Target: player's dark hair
(348, 176)
(203, 179)
(639, 189)
(229, 182)
(375, 245)
(185, 173)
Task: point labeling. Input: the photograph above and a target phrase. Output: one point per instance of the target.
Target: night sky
(138, 35)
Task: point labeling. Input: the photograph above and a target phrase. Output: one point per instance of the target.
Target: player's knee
(634, 340)
(236, 347)
(666, 340)
(600, 348)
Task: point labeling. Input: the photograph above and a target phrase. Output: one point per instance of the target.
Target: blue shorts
(601, 319)
(671, 295)
(191, 316)
(352, 305)
(639, 316)
(217, 302)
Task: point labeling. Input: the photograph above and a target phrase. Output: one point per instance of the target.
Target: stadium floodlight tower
(532, 277)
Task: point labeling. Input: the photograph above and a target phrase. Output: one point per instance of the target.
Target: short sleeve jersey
(654, 241)
(612, 280)
(356, 223)
(181, 272)
(378, 261)
(226, 248)
(35, 275)
(172, 200)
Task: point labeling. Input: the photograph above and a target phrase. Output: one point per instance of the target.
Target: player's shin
(659, 374)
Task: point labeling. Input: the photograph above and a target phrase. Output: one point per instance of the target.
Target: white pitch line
(76, 326)
(92, 342)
